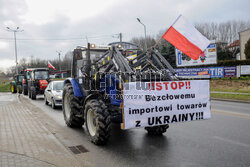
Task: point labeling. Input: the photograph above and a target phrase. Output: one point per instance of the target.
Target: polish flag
(51, 66)
(185, 37)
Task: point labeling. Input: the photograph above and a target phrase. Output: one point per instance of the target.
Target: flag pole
(166, 32)
(157, 42)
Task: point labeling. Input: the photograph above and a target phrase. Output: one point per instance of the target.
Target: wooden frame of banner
(122, 107)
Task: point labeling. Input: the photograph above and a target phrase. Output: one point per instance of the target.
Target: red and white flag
(51, 66)
(185, 37)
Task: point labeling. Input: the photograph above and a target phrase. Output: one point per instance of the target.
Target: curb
(231, 100)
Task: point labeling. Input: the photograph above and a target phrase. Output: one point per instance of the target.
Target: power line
(61, 39)
(37, 39)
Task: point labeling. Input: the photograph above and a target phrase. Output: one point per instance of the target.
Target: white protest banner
(166, 102)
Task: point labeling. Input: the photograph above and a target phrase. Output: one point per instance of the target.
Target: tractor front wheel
(33, 93)
(98, 121)
(12, 88)
(71, 106)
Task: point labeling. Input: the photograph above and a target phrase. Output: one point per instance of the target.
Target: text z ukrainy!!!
(172, 118)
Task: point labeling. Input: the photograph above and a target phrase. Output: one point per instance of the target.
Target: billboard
(245, 69)
(230, 71)
(216, 72)
(208, 72)
(208, 57)
(193, 72)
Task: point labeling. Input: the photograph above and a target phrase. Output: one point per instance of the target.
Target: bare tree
(150, 41)
(224, 31)
(11, 71)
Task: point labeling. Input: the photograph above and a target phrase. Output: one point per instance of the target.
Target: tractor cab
(16, 84)
(19, 78)
(38, 81)
(82, 63)
(39, 74)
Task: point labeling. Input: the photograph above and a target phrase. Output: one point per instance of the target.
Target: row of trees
(225, 32)
(34, 63)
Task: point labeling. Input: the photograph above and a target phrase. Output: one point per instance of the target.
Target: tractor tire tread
(103, 127)
(73, 121)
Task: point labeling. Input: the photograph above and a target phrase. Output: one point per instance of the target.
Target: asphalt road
(224, 140)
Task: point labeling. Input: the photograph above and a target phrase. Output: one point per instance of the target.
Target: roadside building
(234, 48)
(59, 74)
(244, 37)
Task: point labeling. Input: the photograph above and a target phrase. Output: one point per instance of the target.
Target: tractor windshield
(41, 75)
(20, 78)
(27, 75)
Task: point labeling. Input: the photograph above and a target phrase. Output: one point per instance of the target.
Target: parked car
(53, 94)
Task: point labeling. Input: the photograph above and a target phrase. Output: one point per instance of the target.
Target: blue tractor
(93, 94)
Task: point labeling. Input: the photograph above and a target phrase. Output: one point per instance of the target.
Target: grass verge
(230, 96)
(5, 87)
(235, 90)
(236, 86)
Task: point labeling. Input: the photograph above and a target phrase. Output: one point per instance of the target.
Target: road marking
(232, 141)
(232, 113)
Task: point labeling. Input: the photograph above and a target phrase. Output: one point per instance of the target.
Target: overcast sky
(51, 25)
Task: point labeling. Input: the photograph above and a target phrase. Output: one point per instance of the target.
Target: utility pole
(120, 36)
(144, 32)
(87, 39)
(59, 54)
(15, 31)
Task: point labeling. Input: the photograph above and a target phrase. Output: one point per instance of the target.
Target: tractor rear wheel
(98, 121)
(71, 106)
(157, 130)
(33, 93)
